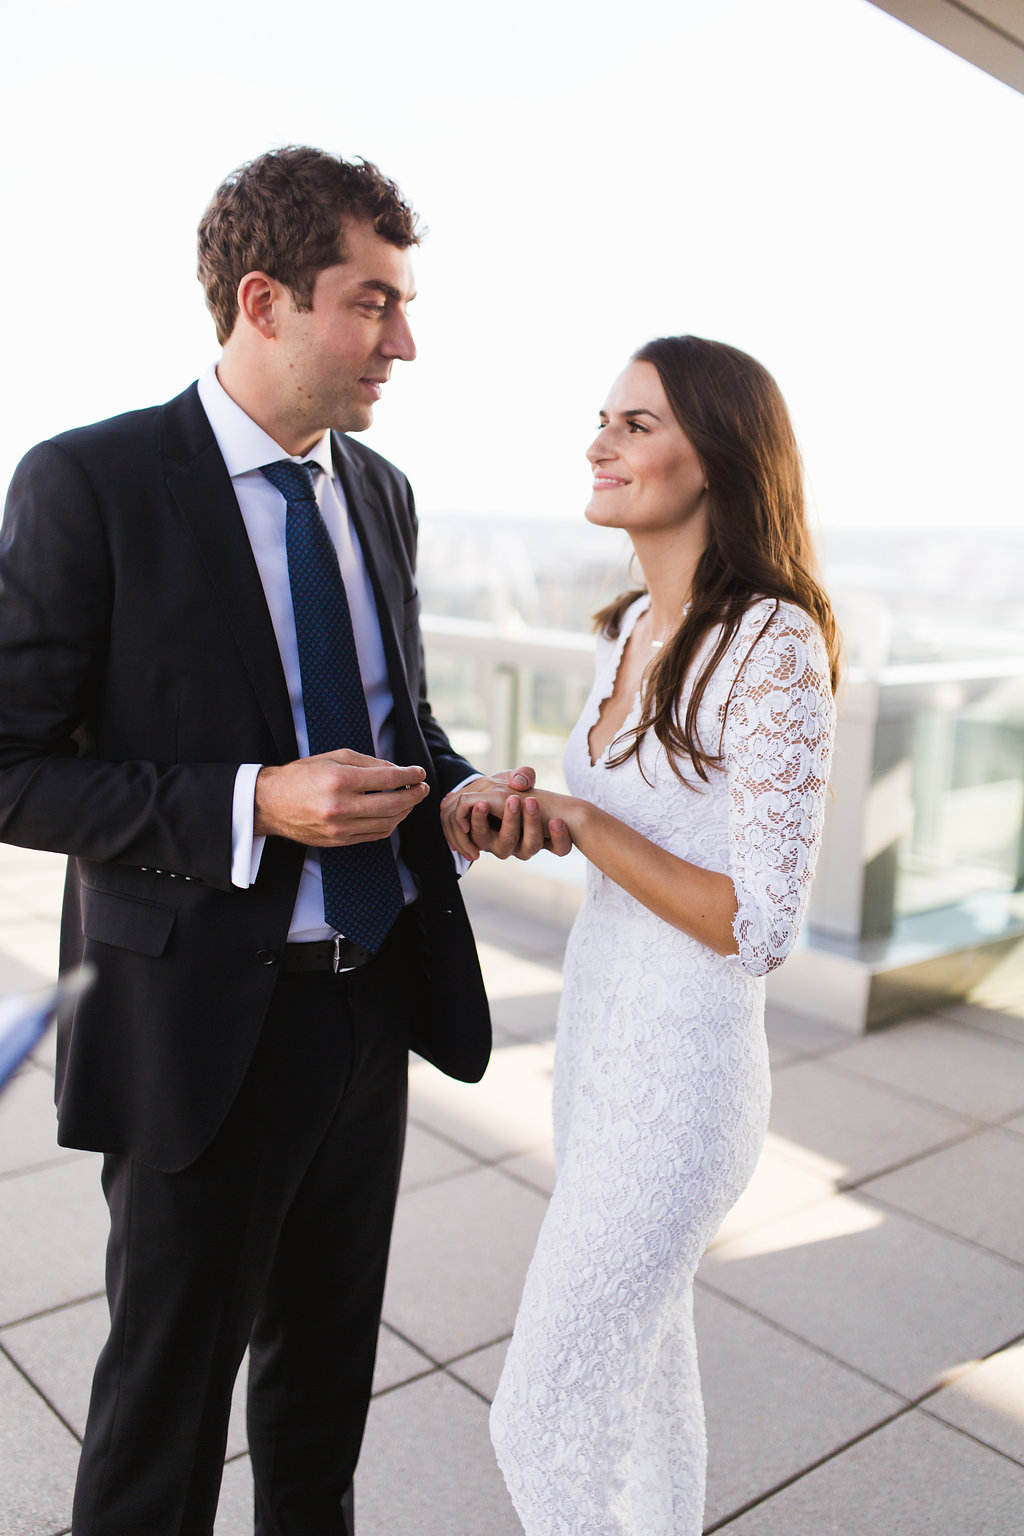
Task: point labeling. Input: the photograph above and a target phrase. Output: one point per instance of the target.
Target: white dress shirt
(245, 447)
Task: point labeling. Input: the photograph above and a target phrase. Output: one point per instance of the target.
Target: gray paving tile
(849, 1128)
(988, 1402)
(33, 943)
(507, 1113)
(799, 1034)
(458, 1259)
(509, 975)
(523, 992)
(234, 1511)
(950, 1189)
(875, 1289)
(536, 1168)
(28, 1122)
(1007, 1022)
(427, 1467)
(498, 921)
(38, 886)
(525, 1018)
(778, 1187)
(54, 1223)
(956, 1068)
(59, 1350)
(773, 1405)
(914, 1477)
(45, 1053)
(482, 1369)
(428, 1158)
(16, 973)
(30, 861)
(11, 909)
(397, 1362)
(38, 1460)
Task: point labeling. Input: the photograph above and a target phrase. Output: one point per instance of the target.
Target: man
(212, 698)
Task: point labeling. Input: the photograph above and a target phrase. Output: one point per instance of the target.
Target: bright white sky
(807, 179)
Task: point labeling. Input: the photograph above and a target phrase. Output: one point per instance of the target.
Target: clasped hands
(497, 813)
(343, 797)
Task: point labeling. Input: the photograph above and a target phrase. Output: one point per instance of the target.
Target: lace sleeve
(777, 748)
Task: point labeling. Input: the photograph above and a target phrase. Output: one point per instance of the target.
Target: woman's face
(647, 475)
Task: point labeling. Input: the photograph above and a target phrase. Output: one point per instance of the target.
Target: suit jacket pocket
(125, 921)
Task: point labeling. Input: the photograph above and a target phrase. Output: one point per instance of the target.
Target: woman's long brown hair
(733, 413)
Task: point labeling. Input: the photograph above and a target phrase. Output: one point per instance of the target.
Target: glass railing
(928, 785)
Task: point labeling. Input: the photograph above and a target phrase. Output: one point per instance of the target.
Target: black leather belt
(325, 955)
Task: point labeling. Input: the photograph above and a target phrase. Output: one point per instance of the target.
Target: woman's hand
(491, 814)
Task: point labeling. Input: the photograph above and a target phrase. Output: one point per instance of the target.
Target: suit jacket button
(266, 956)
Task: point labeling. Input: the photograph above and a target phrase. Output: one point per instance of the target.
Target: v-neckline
(628, 625)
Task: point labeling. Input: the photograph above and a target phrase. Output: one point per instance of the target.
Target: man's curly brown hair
(284, 213)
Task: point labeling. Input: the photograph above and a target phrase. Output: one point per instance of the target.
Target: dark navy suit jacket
(138, 669)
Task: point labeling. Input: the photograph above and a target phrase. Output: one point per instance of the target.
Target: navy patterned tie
(362, 889)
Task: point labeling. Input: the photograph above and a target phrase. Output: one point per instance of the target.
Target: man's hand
(491, 815)
(335, 799)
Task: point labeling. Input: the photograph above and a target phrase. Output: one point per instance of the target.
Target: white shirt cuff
(246, 850)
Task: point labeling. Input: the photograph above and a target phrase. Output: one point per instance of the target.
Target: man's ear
(258, 296)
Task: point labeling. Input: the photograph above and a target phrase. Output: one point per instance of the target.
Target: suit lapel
(372, 523)
(201, 487)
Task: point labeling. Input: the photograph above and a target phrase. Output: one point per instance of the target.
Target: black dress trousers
(276, 1237)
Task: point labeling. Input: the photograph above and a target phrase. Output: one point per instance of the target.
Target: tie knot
(296, 482)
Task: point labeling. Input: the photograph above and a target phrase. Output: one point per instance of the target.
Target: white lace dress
(661, 1096)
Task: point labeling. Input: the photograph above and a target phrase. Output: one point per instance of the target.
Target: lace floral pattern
(661, 1096)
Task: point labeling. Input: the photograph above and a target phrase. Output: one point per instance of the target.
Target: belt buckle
(336, 957)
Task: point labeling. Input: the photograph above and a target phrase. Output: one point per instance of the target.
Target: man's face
(335, 359)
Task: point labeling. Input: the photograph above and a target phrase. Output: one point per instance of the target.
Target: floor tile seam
(60, 1306)
(810, 1344)
(478, 1157)
(468, 1386)
(955, 1374)
(37, 1389)
(801, 1055)
(521, 1179)
(975, 1028)
(759, 1224)
(513, 1039)
(1015, 1461)
(813, 1466)
(841, 1070)
(537, 951)
(935, 1226)
(72, 1155)
(805, 1053)
(983, 1032)
(458, 1146)
(413, 1188)
(476, 1349)
(976, 1129)
(406, 1381)
(407, 1339)
(957, 1026)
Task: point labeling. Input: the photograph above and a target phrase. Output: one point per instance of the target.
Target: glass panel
(968, 808)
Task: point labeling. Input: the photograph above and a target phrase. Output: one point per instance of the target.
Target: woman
(697, 775)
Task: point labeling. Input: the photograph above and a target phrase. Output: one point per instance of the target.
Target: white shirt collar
(243, 445)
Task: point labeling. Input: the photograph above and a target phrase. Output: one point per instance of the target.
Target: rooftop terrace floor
(860, 1315)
